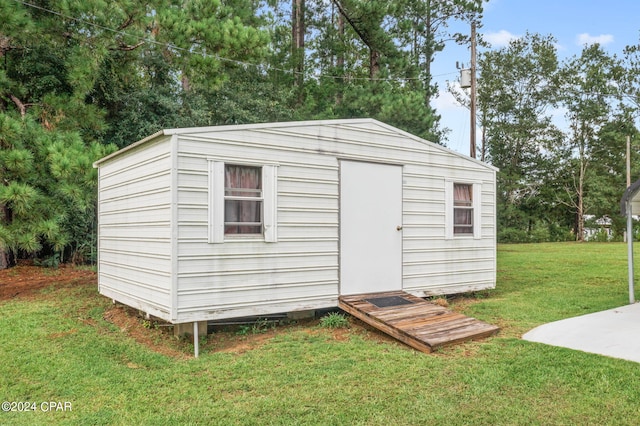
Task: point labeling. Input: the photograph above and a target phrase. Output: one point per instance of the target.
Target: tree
(48, 189)
(630, 80)
(76, 76)
(423, 30)
(367, 20)
(74, 73)
(589, 85)
(48, 66)
(606, 176)
(297, 44)
(518, 86)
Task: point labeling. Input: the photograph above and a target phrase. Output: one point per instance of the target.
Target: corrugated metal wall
(435, 265)
(168, 268)
(134, 228)
(300, 271)
(251, 277)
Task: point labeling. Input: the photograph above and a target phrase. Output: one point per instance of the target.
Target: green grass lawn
(58, 347)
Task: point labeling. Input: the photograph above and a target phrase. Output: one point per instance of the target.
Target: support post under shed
(185, 329)
(630, 251)
(196, 340)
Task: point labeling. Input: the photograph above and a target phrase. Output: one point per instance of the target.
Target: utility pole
(629, 234)
(628, 161)
(472, 131)
(483, 148)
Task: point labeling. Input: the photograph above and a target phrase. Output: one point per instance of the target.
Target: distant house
(209, 223)
(594, 226)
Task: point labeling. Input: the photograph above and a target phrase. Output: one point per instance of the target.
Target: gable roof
(356, 122)
(632, 194)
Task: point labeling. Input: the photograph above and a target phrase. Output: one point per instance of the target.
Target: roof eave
(129, 147)
(629, 195)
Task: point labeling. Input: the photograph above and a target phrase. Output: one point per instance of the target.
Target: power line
(208, 55)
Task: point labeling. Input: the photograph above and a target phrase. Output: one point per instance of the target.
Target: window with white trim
(242, 201)
(462, 209)
(463, 214)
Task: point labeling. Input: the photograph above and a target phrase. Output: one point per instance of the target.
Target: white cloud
(586, 39)
(445, 101)
(499, 39)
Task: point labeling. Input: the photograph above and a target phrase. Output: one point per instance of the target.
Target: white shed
(209, 223)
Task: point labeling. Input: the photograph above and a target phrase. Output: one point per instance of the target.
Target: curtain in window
(243, 203)
(463, 209)
(462, 195)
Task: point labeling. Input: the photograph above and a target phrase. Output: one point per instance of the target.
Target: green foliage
(334, 320)
(114, 72)
(205, 31)
(49, 262)
(517, 85)
(539, 233)
(513, 235)
(48, 187)
(259, 326)
(602, 236)
(368, 59)
(587, 82)
(62, 348)
(549, 175)
(262, 326)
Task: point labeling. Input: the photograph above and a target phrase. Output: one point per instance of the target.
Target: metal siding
(304, 263)
(174, 227)
(134, 226)
(300, 271)
(434, 264)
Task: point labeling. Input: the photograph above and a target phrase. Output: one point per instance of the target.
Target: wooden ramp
(412, 320)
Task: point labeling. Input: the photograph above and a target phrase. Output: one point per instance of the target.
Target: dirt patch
(25, 279)
(230, 342)
(145, 332)
(233, 342)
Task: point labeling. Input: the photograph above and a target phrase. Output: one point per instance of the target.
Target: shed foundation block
(300, 315)
(187, 328)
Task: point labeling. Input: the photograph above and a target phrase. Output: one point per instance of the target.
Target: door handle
(399, 228)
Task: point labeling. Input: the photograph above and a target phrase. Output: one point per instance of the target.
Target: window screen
(243, 201)
(462, 208)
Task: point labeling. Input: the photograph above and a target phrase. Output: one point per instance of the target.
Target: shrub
(540, 234)
(334, 320)
(512, 235)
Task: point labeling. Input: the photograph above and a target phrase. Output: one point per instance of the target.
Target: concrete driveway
(614, 333)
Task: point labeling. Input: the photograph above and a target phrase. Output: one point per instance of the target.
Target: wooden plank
(405, 310)
(391, 331)
(443, 335)
(451, 340)
(441, 322)
(421, 324)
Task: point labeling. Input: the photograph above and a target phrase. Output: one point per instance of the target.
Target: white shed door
(370, 227)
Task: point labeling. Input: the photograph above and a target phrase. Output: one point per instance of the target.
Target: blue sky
(614, 24)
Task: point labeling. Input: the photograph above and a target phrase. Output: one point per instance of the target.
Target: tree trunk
(583, 166)
(5, 259)
(340, 58)
(297, 44)
(366, 37)
(374, 63)
(429, 52)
